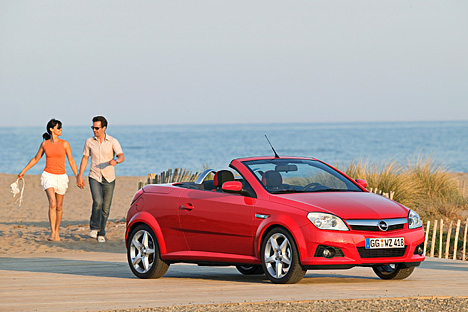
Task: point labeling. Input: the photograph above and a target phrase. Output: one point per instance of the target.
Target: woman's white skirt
(57, 181)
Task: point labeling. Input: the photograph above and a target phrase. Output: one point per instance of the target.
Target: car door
(218, 222)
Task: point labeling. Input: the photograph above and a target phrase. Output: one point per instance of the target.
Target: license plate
(388, 242)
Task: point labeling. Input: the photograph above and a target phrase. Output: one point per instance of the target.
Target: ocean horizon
(156, 148)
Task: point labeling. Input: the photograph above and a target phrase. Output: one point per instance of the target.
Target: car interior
(215, 185)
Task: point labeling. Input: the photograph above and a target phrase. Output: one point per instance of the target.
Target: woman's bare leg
(52, 212)
(59, 212)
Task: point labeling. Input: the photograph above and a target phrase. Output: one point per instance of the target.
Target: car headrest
(272, 179)
(222, 176)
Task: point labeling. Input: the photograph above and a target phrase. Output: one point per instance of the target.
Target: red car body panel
(217, 222)
(346, 205)
(193, 225)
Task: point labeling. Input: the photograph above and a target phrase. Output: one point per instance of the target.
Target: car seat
(272, 180)
(221, 177)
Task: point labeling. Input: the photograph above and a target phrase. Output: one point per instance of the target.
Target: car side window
(247, 190)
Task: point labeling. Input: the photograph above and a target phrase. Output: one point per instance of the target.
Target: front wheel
(280, 258)
(394, 271)
(143, 254)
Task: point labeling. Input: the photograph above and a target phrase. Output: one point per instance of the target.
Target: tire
(250, 269)
(392, 271)
(143, 253)
(280, 258)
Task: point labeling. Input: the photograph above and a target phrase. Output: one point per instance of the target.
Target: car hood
(346, 205)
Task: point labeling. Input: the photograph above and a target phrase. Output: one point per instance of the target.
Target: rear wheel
(280, 258)
(250, 269)
(394, 271)
(143, 253)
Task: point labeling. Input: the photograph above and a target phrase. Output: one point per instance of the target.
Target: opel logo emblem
(383, 226)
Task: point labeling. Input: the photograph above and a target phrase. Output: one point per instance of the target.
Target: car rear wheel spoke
(270, 259)
(279, 269)
(286, 261)
(136, 260)
(146, 263)
(136, 243)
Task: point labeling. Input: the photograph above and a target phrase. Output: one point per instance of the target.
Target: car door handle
(186, 207)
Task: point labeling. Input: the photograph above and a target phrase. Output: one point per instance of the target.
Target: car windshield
(281, 176)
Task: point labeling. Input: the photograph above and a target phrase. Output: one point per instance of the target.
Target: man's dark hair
(101, 119)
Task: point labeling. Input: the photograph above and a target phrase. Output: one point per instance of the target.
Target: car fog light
(420, 250)
(329, 253)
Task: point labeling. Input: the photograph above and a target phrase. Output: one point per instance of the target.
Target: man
(102, 148)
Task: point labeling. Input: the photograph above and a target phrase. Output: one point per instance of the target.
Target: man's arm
(120, 159)
(79, 178)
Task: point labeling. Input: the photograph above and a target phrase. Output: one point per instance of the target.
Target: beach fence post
(447, 246)
(434, 236)
(441, 237)
(427, 235)
(455, 242)
(464, 240)
(170, 176)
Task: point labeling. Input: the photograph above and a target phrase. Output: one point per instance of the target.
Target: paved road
(95, 281)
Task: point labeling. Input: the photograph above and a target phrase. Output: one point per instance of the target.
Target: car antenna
(276, 155)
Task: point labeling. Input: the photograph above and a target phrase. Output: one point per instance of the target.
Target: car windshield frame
(294, 178)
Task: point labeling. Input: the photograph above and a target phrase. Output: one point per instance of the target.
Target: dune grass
(422, 185)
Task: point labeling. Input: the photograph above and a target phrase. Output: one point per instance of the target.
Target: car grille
(381, 253)
(375, 228)
(373, 225)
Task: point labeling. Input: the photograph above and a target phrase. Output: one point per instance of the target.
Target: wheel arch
(295, 231)
(147, 219)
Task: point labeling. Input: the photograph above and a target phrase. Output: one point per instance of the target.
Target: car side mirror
(232, 186)
(362, 182)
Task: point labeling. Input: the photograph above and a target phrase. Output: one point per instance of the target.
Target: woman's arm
(71, 161)
(33, 161)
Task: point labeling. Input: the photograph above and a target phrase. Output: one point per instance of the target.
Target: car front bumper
(350, 248)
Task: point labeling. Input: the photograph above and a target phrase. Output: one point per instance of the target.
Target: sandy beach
(24, 229)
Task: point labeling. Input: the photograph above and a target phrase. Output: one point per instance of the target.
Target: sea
(157, 148)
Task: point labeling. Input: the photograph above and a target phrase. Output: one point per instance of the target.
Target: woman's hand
(80, 182)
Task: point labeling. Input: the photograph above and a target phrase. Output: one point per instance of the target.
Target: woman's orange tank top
(55, 157)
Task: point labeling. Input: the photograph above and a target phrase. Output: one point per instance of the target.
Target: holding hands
(80, 182)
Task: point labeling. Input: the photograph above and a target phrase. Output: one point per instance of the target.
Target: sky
(215, 62)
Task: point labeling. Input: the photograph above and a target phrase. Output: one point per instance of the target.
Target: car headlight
(414, 221)
(326, 221)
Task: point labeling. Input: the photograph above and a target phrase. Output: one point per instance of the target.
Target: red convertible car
(274, 216)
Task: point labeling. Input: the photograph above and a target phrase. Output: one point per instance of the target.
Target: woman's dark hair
(102, 119)
(51, 124)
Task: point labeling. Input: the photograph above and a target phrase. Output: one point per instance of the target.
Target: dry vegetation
(423, 186)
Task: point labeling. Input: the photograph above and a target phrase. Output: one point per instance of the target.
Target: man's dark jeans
(102, 199)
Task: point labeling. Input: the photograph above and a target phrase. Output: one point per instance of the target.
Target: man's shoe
(101, 239)
(93, 233)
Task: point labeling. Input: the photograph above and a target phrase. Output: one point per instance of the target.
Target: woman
(54, 179)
